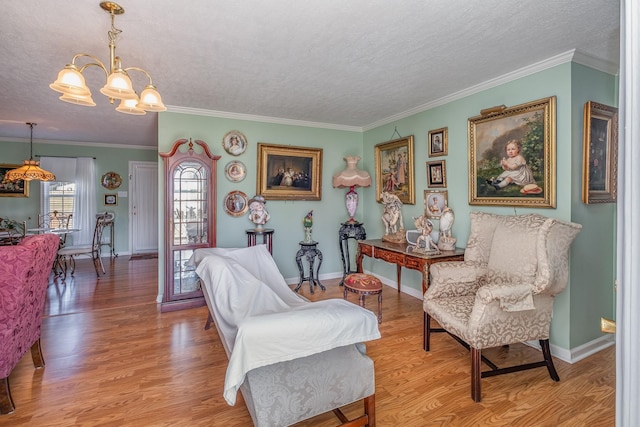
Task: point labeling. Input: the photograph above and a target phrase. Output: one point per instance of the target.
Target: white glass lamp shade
(70, 81)
(118, 86)
(86, 101)
(129, 106)
(150, 100)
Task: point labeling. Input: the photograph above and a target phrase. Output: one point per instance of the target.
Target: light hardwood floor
(113, 360)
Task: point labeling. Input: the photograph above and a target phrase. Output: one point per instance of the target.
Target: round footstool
(364, 284)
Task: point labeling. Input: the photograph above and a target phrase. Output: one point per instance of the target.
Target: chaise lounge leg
(370, 410)
(544, 345)
(476, 358)
(36, 354)
(6, 402)
(426, 335)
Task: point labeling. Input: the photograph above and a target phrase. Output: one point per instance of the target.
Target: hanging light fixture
(71, 83)
(31, 168)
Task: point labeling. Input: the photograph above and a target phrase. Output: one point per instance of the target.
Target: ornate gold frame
(305, 163)
(433, 169)
(442, 133)
(600, 154)
(534, 125)
(387, 155)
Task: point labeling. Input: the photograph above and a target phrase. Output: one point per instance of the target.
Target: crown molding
(570, 56)
(79, 143)
(256, 118)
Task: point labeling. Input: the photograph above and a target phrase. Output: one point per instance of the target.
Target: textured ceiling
(345, 63)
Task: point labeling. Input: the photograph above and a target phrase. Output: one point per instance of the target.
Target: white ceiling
(347, 63)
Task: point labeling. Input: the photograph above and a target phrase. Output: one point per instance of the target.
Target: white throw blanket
(262, 321)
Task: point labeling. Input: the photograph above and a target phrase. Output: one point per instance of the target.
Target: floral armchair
(24, 277)
(503, 291)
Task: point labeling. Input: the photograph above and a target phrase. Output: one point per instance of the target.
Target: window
(60, 197)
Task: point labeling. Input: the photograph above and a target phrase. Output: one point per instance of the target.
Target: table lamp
(351, 177)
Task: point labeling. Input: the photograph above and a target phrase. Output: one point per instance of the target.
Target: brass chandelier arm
(98, 63)
(126, 70)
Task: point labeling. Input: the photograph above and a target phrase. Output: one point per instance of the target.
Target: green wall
(286, 216)
(114, 159)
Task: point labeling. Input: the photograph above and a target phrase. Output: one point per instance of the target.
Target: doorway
(143, 207)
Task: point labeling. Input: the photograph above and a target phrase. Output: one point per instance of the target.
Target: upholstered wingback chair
(24, 277)
(503, 291)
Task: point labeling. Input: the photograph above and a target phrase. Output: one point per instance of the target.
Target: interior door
(143, 207)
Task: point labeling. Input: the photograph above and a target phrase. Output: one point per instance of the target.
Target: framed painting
(111, 200)
(394, 169)
(436, 174)
(600, 153)
(289, 173)
(434, 203)
(438, 142)
(512, 155)
(18, 188)
(236, 203)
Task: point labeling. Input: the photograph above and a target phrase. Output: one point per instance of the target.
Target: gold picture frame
(17, 188)
(512, 155)
(438, 142)
(394, 169)
(111, 200)
(434, 203)
(289, 173)
(437, 174)
(600, 153)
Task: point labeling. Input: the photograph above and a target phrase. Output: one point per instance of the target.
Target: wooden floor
(114, 360)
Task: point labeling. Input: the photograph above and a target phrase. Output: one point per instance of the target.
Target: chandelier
(31, 168)
(71, 83)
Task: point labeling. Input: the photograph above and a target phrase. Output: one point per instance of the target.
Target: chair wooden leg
(370, 409)
(6, 402)
(209, 322)
(36, 354)
(426, 333)
(546, 351)
(380, 307)
(476, 357)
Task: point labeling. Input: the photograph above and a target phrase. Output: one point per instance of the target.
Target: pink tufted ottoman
(364, 284)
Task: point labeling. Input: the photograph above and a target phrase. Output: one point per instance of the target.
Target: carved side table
(349, 230)
(310, 252)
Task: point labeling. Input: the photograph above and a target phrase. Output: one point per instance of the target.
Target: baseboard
(583, 351)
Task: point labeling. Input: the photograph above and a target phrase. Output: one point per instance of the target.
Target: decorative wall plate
(234, 143)
(111, 180)
(235, 171)
(236, 203)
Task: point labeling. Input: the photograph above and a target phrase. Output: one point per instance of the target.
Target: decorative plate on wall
(236, 203)
(234, 143)
(235, 171)
(111, 180)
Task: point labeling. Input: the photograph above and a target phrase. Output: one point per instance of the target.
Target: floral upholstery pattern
(24, 277)
(503, 292)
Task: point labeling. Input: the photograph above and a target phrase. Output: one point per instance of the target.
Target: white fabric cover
(262, 321)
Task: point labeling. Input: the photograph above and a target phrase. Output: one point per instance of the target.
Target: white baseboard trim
(583, 351)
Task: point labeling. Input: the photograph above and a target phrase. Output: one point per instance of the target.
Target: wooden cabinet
(190, 219)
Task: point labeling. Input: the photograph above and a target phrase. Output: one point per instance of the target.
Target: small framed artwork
(600, 153)
(434, 203)
(235, 171)
(234, 143)
(18, 188)
(236, 203)
(512, 155)
(111, 200)
(394, 169)
(436, 174)
(289, 173)
(438, 142)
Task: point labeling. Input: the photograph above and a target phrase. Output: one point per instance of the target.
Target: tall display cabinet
(189, 219)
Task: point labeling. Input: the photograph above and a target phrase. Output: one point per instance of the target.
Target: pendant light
(31, 169)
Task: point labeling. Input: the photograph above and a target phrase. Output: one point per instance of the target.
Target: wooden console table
(402, 255)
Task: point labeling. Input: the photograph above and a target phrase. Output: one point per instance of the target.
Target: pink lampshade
(351, 177)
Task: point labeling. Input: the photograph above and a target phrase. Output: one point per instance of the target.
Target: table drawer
(414, 264)
(389, 256)
(366, 250)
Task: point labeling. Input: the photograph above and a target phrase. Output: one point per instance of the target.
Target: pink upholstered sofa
(24, 276)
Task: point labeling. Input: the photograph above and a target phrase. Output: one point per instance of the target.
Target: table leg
(300, 270)
(425, 277)
(310, 258)
(398, 274)
(319, 254)
(359, 259)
